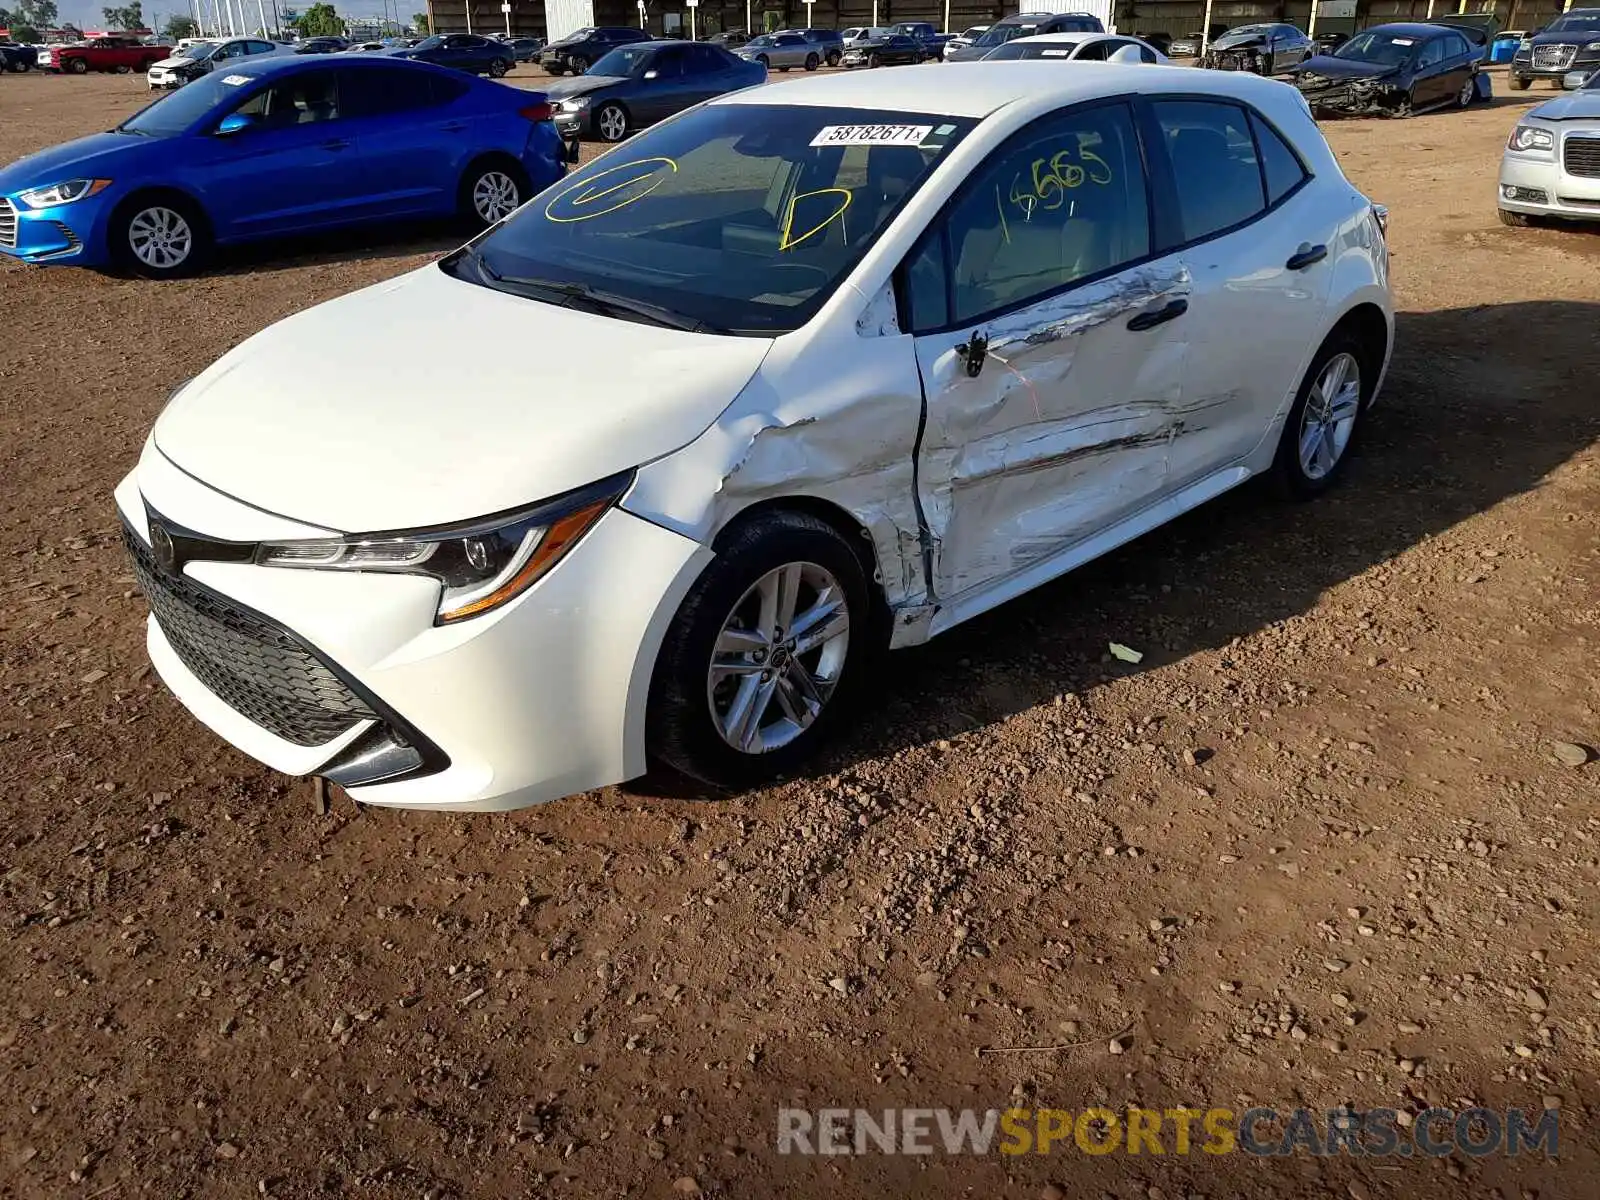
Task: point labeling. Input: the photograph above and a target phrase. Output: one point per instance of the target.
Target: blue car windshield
(737, 218)
(176, 112)
(1575, 23)
(1379, 49)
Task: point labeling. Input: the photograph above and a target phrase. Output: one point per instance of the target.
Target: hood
(563, 43)
(177, 60)
(88, 155)
(1330, 67)
(876, 43)
(1572, 106)
(446, 417)
(1235, 41)
(580, 85)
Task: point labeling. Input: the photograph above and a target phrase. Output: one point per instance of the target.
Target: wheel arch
(487, 158)
(1373, 328)
(147, 193)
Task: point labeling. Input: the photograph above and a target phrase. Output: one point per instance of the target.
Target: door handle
(336, 144)
(1150, 318)
(973, 351)
(1306, 256)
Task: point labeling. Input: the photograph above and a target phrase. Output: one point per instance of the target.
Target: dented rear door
(1051, 348)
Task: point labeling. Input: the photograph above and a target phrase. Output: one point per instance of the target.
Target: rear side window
(1214, 167)
(1280, 166)
(374, 91)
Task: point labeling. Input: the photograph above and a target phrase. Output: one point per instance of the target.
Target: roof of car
(1419, 29)
(1066, 36)
(980, 88)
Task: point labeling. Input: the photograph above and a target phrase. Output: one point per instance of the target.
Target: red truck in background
(119, 54)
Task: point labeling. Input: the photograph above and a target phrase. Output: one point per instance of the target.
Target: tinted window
(925, 287)
(729, 215)
(377, 90)
(1213, 165)
(1456, 45)
(1061, 201)
(1433, 53)
(1279, 165)
(1146, 54)
(706, 58)
(261, 47)
(1096, 51)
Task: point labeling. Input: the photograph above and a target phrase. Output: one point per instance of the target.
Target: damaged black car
(1268, 49)
(1396, 70)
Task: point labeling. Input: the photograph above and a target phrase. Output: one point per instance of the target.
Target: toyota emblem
(161, 544)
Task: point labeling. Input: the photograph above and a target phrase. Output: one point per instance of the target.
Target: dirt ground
(1370, 883)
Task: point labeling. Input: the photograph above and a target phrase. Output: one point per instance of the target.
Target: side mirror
(235, 123)
(1573, 80)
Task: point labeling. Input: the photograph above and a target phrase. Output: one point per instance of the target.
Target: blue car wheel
(491, 190)
(159, 236)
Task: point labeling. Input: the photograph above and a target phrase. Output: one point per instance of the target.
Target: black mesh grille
(1581, 156)
(264, 672)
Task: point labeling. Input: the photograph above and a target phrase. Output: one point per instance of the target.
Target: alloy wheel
(160, 238)
(1469, 90)
(779, 657)
(613, 123)
(1330, 416)
(495, 196)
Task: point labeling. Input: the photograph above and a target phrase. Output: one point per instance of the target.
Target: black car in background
(524, 49)
(1571, 42)
(322, 45)
(577, 51)
(1025, 25)
(1263, 49)
(897, 48)
(729, 39)
(465, 52)
(637, 85)
(1395, 70)
(17, 58)
(829, 43)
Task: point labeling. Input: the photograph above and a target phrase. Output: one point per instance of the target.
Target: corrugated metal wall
(554, 18)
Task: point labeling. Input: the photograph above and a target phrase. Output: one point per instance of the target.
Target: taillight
(538, 112)
(1380, 214)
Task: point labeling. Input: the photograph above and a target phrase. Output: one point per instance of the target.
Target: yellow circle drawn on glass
(786, 242)
(590, 196)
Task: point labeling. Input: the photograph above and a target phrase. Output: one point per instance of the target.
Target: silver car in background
(782, 52)
(1551, 164)
(963, 39)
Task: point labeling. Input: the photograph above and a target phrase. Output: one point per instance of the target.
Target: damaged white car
(822, 369)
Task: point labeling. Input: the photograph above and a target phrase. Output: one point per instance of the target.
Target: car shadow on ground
(1463, 423)
(400, 239)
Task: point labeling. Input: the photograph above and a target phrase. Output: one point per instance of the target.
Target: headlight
(577, 104)
(479, 566)
(1529, 137)
(63, 193)
(1591, 47)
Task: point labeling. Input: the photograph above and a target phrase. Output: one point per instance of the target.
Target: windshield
(1380, 49)
(1575, 23)
(432, 43)
(622, 61)
(974, 31)
(997, 35)
(1250, 31)
(175, 112)
(765, 39)
(740, 217)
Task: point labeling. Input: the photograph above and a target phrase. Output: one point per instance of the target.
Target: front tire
(578, 63)
(491, 191)
(764, 654)
(1320, 431)
(833, 58)
(78, 66)
(1521, 83)
(874, 61)
(159, 237)
(611, 122)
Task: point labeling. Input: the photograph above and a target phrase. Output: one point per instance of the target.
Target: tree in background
(33, 15)
(419, 22)
(180, 27)
(320, 20)
(131, 17)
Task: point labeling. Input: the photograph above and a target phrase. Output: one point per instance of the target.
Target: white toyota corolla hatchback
(801, 374)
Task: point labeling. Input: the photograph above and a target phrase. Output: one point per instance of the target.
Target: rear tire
(1468, 92)
(1321, 430)
(833, 58)
(811, 574)
(497, 69)
(812, 62)
(491, 190)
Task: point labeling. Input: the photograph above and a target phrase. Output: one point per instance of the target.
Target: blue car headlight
(63, 193)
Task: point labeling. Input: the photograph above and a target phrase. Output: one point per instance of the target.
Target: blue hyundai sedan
(277, 147)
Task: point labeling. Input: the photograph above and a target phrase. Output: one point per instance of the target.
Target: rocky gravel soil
(1334, 841)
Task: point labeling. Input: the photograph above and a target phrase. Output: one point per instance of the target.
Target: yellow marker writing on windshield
(787, 241)
(589, 194)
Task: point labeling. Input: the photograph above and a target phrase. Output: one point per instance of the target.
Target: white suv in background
(835, 366)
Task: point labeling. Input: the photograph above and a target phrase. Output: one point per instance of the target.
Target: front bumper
(164, 79)
(855, 58)
(536, 700)
(1249, 59)
(1565, 195)
(572, 125)
(71, 234)
(1524, 65)
(1352, 97)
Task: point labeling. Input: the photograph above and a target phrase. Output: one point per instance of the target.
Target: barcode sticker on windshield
(1055, 53)
(871, 135)
(1402, 41)
(235, 80)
